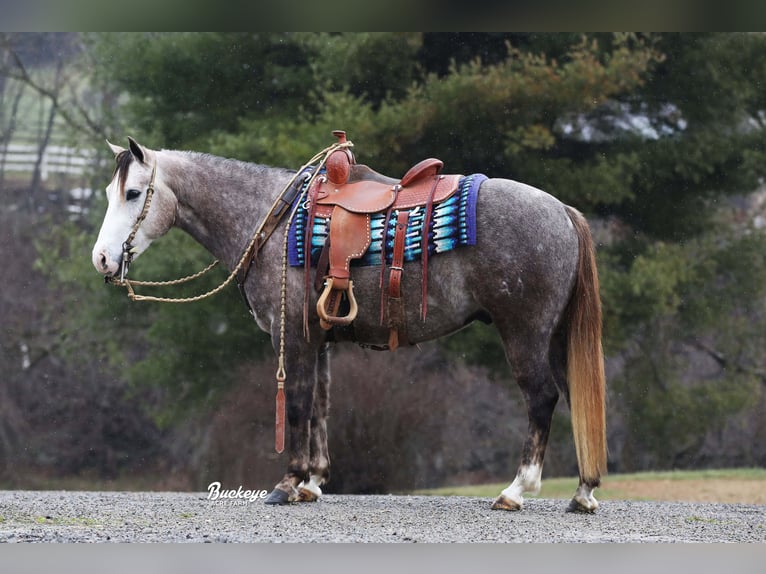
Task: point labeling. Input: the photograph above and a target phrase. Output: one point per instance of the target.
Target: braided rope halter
(262, 233)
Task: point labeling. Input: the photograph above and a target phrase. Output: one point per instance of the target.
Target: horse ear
(116, 150)
(137, 150)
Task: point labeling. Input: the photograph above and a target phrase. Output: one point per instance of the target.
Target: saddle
(348, 194)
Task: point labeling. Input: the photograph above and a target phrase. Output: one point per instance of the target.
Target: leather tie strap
(397, 319)
(383, 250)
(397, 264)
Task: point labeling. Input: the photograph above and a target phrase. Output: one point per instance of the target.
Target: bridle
(127, 246)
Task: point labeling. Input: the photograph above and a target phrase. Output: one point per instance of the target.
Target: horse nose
(103, 262)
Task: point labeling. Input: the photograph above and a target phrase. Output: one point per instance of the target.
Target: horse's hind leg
(534, 376)
(319, 460)
(583, 500)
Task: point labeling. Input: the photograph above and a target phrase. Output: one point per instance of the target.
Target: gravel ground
(53, 516)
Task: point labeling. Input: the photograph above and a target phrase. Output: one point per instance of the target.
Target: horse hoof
(277, 497)
(577, 507)
(503, 503)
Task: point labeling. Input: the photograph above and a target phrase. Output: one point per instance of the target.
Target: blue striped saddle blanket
(453, 223)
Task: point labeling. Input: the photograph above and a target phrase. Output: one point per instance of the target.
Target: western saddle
(348, 194)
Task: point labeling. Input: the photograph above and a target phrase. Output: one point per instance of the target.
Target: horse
(531, 273)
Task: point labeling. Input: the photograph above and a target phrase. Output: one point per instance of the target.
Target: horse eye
(132, 194)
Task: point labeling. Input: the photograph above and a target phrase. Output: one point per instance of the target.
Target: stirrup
(329, 321)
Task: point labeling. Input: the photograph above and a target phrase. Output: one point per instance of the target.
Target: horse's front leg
(301, 369)
(319, 455)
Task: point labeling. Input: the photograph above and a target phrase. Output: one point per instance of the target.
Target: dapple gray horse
(532, 274)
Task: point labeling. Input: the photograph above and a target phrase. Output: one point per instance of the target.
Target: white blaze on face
(123, 212)
(120, 217)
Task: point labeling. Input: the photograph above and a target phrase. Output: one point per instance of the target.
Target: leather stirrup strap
(323, 266)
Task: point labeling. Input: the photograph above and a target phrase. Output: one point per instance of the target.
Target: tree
(186, 86)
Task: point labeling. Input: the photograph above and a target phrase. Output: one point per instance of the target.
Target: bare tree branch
(18, 71)
(724, 362)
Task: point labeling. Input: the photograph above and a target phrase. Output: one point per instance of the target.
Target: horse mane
(227, 164)
(218, 168)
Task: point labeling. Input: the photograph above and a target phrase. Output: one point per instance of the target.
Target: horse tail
(585, 360)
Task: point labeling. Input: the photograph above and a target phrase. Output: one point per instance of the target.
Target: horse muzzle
(105, 263)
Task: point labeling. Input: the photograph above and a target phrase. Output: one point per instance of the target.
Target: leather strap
(383, 251)
(397, 320)
(323, 266)
(424, 247)
(269, 225)
(279, 430)
(397, 264)
(308, 235)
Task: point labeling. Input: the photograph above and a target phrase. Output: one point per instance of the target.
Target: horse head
(140, 209)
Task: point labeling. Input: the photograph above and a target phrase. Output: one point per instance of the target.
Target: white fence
(56, 159)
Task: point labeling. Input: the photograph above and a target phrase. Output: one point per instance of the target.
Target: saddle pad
(453, 223)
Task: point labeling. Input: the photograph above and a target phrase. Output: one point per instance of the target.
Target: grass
(148, 482)
(635, 486)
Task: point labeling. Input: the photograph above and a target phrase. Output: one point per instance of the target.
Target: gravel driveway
(53, 516)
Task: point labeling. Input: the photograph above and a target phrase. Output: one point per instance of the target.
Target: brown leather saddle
(349, 194)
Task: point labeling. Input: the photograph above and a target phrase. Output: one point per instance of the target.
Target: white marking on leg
(584, 497)
(528, 479)
(313, 485)
(308, 491)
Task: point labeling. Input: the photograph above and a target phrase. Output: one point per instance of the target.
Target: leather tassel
(279, 439)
